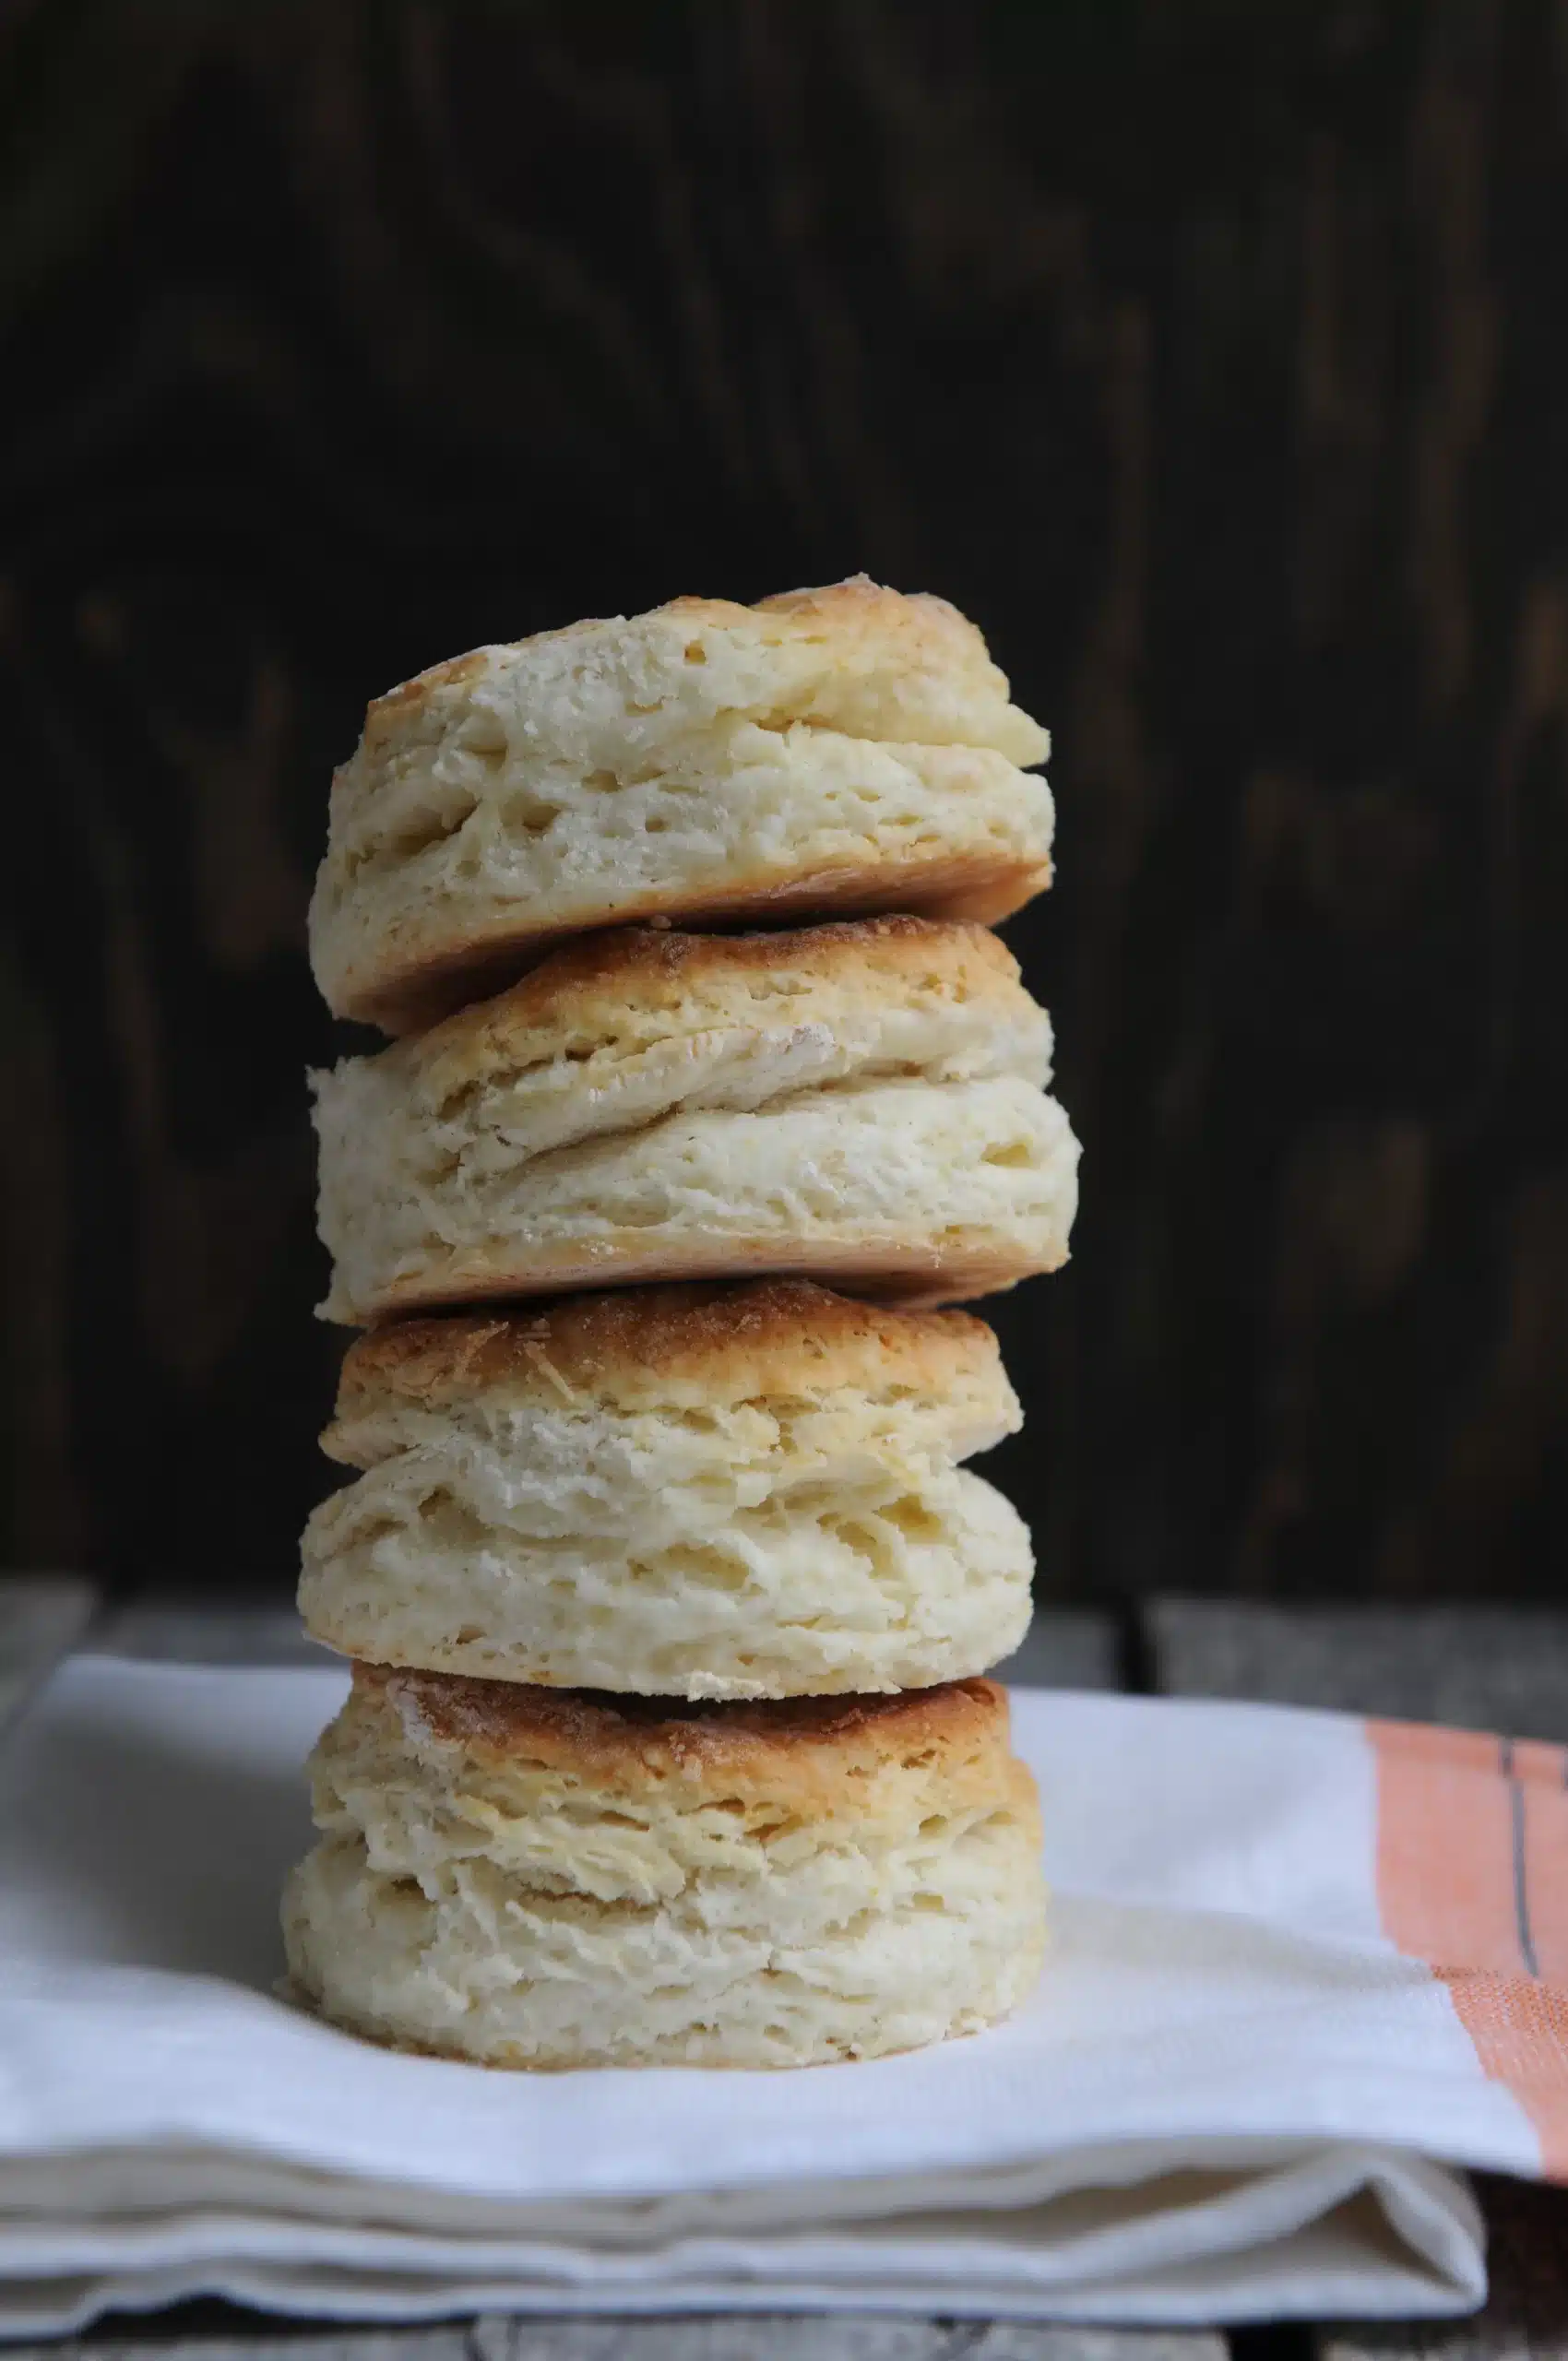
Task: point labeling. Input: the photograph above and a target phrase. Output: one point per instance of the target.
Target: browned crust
(916, 1274)
(734, 1341)
(601, 1738)
(652, 965)
(594, 985)
(860, 605)
(384, 711)
(409, 986)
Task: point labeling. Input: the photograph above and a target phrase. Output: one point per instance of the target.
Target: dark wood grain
(1213, 357)
(215, 2332)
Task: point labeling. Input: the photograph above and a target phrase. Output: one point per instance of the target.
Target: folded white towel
(1239, 2090)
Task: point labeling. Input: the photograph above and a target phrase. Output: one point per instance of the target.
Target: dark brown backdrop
(1214, 357)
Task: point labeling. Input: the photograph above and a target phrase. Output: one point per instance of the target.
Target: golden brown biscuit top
(654, 966)
(723, 1343)
(792, 1744)
(628, 985)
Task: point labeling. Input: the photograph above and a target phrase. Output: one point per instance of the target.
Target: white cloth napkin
(1231, 2097)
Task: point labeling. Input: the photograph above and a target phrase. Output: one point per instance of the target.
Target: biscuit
(828, 752)
(862, 1103)
(539, 1878)
(697, 1492)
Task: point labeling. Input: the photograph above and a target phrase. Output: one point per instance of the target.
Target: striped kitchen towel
(1305, 1969)
(1472, 1880)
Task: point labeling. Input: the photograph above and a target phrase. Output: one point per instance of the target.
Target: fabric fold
(1235, 2093)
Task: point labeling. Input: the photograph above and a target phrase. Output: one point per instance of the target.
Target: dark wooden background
(1214, 357)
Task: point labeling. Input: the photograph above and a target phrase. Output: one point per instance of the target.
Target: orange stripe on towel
(1472, 1877)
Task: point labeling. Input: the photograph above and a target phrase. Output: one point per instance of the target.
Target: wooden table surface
(1492, 1670)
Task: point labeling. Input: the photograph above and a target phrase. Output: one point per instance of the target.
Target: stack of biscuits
(667, 1593)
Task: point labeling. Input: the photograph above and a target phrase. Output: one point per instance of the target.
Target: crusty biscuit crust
(615, 992)
(648, 1348)
(794, 1747)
